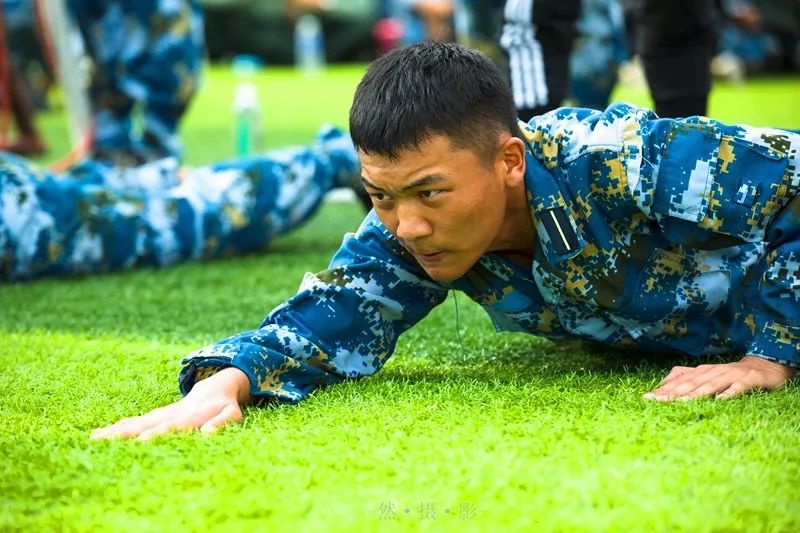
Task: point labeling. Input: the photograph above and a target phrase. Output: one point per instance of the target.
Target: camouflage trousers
(97, 218)
(145, 54)
(598, 52)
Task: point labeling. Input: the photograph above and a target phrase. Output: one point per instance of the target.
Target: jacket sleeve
(343, 322)
(694, 183)
(774, 316)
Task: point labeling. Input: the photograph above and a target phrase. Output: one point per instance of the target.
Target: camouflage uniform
(676, 235)
(97, 217)
(145, 52)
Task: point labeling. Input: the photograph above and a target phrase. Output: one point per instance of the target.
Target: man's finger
(229, 413)
(676, 371)
(687, 388)
(187, 422)
(714, 386)
(168, 426)
(128, 427)
(121, 429)
(132, 425)
(175, 424)
(687, 382)
(736, 388)
(678, 385)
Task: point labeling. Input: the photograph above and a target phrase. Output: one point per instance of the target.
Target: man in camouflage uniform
(97, 217)
(615, 226)
(145, 53)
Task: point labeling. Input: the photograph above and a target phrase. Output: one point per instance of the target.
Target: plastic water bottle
(309, 44)
(246, 107)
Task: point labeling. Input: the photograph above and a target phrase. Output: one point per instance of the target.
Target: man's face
(445, 205)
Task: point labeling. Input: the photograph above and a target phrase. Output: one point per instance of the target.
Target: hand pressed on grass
(212, 403)
(722, 380)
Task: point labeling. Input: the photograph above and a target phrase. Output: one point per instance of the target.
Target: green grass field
(511, 430)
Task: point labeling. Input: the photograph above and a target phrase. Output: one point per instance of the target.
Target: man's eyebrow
(369, 184)
(422, 182)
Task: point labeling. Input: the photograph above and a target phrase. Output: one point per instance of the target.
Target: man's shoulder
(615, 111)
(564, 134)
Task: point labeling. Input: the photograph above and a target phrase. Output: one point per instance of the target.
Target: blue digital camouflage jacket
(659, 234)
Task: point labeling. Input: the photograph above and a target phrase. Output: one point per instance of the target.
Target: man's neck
(517, 238)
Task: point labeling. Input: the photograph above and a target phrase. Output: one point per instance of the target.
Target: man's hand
(212, 403)
(721, 380)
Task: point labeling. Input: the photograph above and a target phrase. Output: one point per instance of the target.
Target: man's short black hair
(429, 89)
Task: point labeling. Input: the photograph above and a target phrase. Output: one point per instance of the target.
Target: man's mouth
(431, 256)
(425, 255)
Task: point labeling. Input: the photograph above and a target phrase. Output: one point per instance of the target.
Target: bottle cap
(245, 97)
(245, 64)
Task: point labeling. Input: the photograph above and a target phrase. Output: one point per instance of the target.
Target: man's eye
(379, 196)
(429, 194)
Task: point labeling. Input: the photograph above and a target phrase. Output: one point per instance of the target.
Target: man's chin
(444, 275)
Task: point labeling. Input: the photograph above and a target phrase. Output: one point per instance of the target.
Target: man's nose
(411, 225)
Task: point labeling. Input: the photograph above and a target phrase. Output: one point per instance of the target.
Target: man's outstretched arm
(751, 190)
(704, 184)
(343, 323)
(773, 312)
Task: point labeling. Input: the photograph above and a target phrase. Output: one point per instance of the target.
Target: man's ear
(511, 158)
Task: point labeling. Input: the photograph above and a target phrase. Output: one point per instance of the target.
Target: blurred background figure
(591, 66)
(531, 40)
(758, 36)
(146, 60)
(266, 28)
(478, 24)
(145, 56)
(533, 43)
(549, 46)
(599, 51)
(538, 39)
(421, 19)
(676, 41)
(24, 77)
